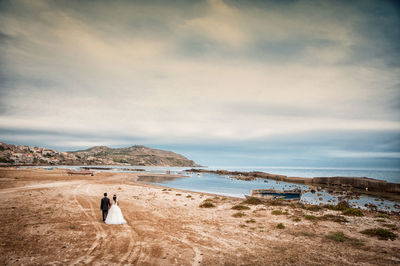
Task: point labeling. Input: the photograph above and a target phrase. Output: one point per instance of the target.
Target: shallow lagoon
(225, 185)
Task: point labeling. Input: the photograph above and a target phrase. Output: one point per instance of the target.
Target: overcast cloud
(309, 83)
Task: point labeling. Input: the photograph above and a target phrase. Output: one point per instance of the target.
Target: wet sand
(49, 217)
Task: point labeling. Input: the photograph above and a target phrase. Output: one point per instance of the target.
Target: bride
(114, 214)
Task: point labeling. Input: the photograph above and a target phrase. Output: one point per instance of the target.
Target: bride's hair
(115, 197)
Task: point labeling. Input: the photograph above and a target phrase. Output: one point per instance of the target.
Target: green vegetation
(382, 216)
(120, 161)
(208, 200)
(314, 208)
(276, 202)
(250, 221)
(276, 212)
(353, 212)
(281, 226)
(336, 236)
(311, 217)
(390, 226)
(240, 207)
(207, 205)
(188, 196)
(178, 194)
(345, 208)
(296, 219)
(253, 201)
(380, 233)
(238, 214)
(342, 206)
(341, 237)
(334, 218)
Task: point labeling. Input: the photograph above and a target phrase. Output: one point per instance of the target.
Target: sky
(230, 83)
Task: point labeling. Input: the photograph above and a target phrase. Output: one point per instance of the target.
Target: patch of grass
(250, 221)
(216, 198)
(280, 226)
(224, 198)
(276, 212)
(382, 216)
(336, 236)
(296, 219)
(164, 189)
(188, 196)
(242, 225)
(353, 212)
(178, 194)
(238, 214)
(208, 200)
(341, 206)
(293, 205)
(276, 202)
(240, 207)
(311, 217)
(207, 205)
(380, 233)
(390, 226)
(341, 237)
(355, 242)
(253, 201)
(334, 218)
(381, 220)
(314, 208)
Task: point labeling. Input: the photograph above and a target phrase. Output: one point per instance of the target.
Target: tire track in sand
(100, 234)
(133, 250)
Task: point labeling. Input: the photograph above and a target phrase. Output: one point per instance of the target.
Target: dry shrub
(380, 233)
(207, 205)
(240, 207)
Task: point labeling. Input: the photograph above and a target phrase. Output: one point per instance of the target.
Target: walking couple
(111, 212)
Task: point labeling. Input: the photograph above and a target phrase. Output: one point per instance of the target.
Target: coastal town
(26, 155)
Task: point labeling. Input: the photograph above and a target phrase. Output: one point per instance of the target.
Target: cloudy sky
(235, 82)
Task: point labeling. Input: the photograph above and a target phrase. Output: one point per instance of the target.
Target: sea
(227, 186)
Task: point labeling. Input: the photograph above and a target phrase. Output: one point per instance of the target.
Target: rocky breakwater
(364, 183)
(241, 175)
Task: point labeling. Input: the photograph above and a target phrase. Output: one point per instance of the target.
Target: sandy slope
(48, 217)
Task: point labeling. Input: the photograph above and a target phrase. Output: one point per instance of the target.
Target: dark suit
(105, 204)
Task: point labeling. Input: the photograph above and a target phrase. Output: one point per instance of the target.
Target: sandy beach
(50, 217)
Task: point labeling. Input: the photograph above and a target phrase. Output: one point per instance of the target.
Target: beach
(50, 217)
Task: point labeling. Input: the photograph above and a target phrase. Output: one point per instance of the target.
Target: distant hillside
(135, 155)
(99, 155)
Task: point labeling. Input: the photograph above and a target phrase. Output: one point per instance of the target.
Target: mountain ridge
(97, 155)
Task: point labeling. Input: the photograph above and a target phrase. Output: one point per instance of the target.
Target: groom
(105, 204)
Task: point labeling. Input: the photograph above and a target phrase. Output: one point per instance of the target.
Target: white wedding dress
(114, 215)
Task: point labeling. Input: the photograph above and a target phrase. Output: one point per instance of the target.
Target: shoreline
(359, 185)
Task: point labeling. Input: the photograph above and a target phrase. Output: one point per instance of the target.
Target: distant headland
(99, 155)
